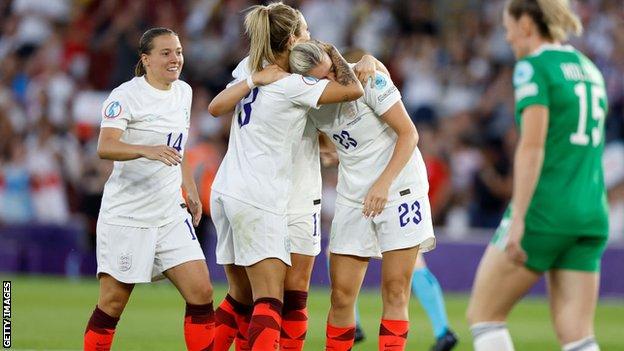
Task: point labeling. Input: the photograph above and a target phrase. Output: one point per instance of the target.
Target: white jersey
(265, 138)
(365, 144)
(142, 192)
(305, 196)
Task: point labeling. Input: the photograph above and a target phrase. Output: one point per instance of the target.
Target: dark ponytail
(146, 44)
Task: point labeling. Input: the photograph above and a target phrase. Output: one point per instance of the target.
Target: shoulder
(242, 69)
(126, 88)
(184, 86)
(526, 69)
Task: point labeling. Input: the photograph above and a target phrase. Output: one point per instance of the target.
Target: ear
(291, 42)
(145, 60)
(526, 25)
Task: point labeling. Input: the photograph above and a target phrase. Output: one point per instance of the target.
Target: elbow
(103, 153)
(356, 91)
(214, 109)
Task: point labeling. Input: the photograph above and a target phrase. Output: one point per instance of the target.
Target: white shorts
(398, 226)
(140, 255)
(304, 231)
(247, 234)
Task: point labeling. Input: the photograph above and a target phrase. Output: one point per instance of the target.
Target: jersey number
(245, 113)
(345, 139)
(409, 213)
(580, 137)
(177, 143)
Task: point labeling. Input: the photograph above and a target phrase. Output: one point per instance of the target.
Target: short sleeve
(241, 72)
(115, 111)
(530, 86)
(305, 91)
(382, 95)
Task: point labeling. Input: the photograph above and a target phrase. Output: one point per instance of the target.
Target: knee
(342, 297)
(396, 292)
(476, 314)
(113, 303)
(299, 282)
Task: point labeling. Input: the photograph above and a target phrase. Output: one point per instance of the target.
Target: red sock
(339, 339)
(294, 320)
(393, 335)
(100, 331)
(265, 324)
(199, 327)
(232, 321)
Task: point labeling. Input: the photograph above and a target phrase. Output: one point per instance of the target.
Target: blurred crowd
(60, 58)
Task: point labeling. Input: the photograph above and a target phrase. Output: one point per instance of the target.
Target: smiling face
(164, 62)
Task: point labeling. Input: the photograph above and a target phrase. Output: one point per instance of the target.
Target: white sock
(491, 336)
(585, 344)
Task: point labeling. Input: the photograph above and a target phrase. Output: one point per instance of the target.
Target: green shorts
(547, 251)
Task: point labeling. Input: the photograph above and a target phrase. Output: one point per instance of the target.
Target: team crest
(310, 80)
(124, 261)
(522, 73)
(380, 82)
(112, 110)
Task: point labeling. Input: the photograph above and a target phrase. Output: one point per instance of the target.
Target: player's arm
(366, 68)
(527, 167)
(110, 147)
(227, 99)
(190, 188)
(345, 87)
(398, 119)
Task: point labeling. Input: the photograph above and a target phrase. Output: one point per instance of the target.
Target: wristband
(250, 82)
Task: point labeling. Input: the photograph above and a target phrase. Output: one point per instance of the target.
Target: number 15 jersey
(570, 197)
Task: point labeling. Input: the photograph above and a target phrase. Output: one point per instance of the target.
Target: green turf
(51, 313)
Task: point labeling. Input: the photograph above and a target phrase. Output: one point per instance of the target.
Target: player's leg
(346, 275)
(193, 282)
(573, 285)
(112, 300)
(305, 243)
(233, 314)
(267, 284)
(179, 257)
(498, 285)
(396, 275)
(295, 312)
(426, 287)
(573, 296)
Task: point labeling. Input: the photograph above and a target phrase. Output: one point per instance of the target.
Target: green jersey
(570, 196)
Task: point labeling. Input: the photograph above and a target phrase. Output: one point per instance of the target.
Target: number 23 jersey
(365, 144)
(143, 192)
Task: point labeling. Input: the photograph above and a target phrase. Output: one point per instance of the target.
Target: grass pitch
(51, 314)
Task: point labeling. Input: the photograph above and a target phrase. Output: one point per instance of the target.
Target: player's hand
(365, 70)
(513, 249)
(268, 75)
(376, 199)
(163, 153)
(194, 207)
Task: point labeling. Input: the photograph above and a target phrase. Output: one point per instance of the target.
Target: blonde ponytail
(560, 19)
(269, 29)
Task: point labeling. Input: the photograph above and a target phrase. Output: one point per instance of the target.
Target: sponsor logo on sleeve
(385, 95)
(310, 80)
(522, 73)
(112, 110)
(380, 82)
(526, 90)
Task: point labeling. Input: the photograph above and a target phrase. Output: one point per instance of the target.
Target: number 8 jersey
(265, 135)
(365, 144)
(570, 197)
